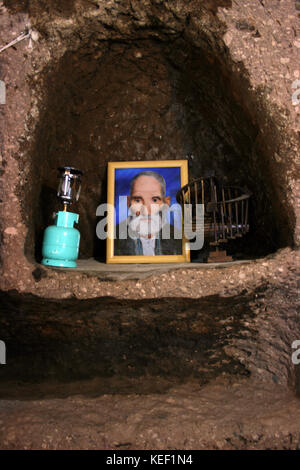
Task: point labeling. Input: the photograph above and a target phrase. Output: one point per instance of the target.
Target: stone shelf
(119, 272)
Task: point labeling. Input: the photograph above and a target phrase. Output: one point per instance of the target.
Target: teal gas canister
(61, 241)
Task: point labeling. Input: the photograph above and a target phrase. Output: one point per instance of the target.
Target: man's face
(146, 198)
(145, 205)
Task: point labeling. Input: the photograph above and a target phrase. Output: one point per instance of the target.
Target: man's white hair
(153, 174)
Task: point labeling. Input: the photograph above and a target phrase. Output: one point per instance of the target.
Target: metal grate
(226, 208)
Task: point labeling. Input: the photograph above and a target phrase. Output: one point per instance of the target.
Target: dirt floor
(225, 414)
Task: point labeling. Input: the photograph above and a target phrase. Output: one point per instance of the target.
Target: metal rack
(226, 211)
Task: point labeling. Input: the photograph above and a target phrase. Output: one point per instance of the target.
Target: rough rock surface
(168, 373)
(215, 78)
(208, 81)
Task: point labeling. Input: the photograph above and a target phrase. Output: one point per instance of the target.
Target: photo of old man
(147, 229)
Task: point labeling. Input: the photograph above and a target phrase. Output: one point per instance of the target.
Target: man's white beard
(143, 226)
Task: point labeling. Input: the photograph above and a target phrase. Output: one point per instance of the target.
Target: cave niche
(151, 99)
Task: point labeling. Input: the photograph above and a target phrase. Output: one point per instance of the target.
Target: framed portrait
(144, 219)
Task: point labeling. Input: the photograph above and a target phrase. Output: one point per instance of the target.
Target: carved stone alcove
(118, 80)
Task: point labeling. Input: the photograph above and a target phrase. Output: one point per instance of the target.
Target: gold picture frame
(115, 170)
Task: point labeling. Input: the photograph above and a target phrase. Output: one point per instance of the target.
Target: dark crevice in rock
(164, 341)
(173, 341)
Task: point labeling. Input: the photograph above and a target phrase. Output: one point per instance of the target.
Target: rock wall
(214, 82)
